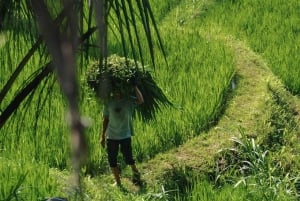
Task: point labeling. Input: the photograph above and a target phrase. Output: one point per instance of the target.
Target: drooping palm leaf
(31, 85)
(126, 14)
(14, 104)
(126, 11)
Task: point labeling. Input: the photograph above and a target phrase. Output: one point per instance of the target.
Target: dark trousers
(113, 149)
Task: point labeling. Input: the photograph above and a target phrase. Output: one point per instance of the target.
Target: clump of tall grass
(248, 164)
(24, 180)
(203, 190)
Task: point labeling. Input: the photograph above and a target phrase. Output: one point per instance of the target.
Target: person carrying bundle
(114, 84)
(117, 130)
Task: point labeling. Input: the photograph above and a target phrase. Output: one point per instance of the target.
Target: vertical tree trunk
(62, 47)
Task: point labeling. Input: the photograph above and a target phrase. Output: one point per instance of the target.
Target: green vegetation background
(35, 143)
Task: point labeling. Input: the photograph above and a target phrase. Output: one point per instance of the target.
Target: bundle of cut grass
(119, 74)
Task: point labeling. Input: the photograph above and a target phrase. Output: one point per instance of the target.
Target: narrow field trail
(243, 111)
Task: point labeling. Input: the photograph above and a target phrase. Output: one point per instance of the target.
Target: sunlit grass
(270, 27)
(40, 133)
(2, 39)
(196, 80)
(26, 180)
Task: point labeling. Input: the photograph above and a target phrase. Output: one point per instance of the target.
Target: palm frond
(14, 104)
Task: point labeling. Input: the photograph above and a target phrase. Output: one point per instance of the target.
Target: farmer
(117, 130)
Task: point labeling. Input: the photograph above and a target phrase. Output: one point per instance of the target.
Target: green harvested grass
(120, 74)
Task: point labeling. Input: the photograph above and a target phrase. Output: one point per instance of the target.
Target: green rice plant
(24, 180)
(38, 128)
(196, 79)
(202, 79)
(270, 27)
(162, 8)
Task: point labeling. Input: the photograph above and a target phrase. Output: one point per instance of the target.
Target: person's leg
(126, 150)
(112, 151)
(136, 175)
(116, 172)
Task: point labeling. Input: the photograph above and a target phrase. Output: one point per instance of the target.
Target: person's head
(117, 94)
(119, 90)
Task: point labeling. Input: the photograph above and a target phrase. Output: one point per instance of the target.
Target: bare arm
(139, 95)
(104, 127)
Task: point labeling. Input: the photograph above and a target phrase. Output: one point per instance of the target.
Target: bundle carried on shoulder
(120, 74)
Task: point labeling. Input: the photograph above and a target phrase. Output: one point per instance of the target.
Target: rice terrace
(220, 82)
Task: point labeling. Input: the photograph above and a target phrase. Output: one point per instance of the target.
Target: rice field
(35, 140)
(271, 28)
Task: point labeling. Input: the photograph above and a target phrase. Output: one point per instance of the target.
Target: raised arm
(139, 95)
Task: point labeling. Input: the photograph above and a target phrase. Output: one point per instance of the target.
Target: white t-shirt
(119, 112)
